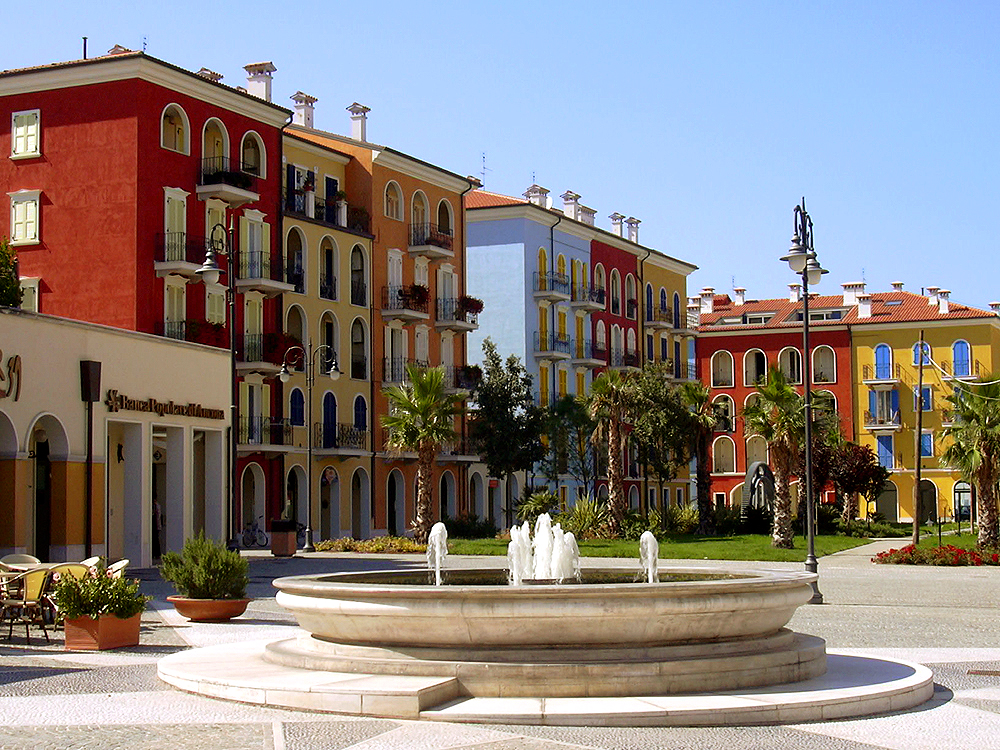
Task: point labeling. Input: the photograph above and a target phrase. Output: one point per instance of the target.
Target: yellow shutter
(244, 239)
(244, 400)
(265, 241)
(543, 383)
(562, 325)
(581, 383)
(543, 324)
(562, 382)
(265, 401)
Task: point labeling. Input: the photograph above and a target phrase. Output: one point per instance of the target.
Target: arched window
(663, 300)
(600, 281)
(419, 211)
(724, 456)
(754, 367)
(722, 370)
(561, 266)
(295, 260)
(883, 362)
(175, 133)
(824, 365)
(393, 201)
(297, 407)
(916, 353)
(727, 413)
(825, 401)
(602, 336)
(677, 311)
(649, 302)
(616, 292)
(359, 277)
(330, 336)
(359, 351)
(329, 421)
(360, 413)
(961, 356)
(790, 362)
(750, 400)
(630, 340)
(215, 145)
(328, 262)
(295, 327)
(445, 223)
(756, 450)
(253, 154)
(963, 501)
(631, 299)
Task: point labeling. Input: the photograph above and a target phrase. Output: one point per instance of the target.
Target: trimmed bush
(99, 594)
(947, 555)
(470, 526)
(205, 569)
(384, 544)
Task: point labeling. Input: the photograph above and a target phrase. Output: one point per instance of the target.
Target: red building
(739, 339)
(120, 167)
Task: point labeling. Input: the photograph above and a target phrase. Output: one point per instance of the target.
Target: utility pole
(918, 439)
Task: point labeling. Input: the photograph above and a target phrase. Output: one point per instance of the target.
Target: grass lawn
(682, 547)
(965, 541)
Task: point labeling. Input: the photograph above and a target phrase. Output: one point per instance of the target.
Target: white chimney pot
(259, 79)
(305, 107)
(359, 121)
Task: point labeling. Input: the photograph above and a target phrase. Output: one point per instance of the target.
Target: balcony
(359, 367)
(460, 449)
(461, 377)
(551, 287)
(359, 292)
(340, 438)
(453, 315)
(431, 240)
(962, 370)
(587, 298)
(681, 370)
(881, 377)
(882, 421)
(948, 418)
(631, 308)
(296, 276)
(262, 353)
(260, 272)
(624, 359)
(261, 433)
(195, 331)
(227, 180)
(659, 319)
(406, 303)
(179, 254)
(552, 346)
(394, 369)
(328, 288)
(586, 354)
(333, 213)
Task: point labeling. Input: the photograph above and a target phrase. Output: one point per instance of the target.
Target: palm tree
(612, 404)
(705, 418)
(975, 449)
(777, 416)
(421, 418)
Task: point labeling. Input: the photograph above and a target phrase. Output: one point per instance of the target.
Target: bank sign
(118, 402)
(10, 377)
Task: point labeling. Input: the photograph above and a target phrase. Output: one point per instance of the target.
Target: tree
(10, 285)
(420, 418)
(703, 418)
(506, 424)
(569, 427)
(777, 416)
(974, 450)
(612, 403)
(855, 470)
(660, 427)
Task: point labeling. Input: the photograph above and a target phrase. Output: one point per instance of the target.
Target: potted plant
(470, 305)
(211, 581)
(340, 195)
(99, 612)
(417, 293)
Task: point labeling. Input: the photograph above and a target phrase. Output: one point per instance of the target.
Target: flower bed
(946, 555)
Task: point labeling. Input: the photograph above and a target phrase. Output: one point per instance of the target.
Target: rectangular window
(926, 399)
(885, 451)
(680, 497)
(29, 294)
(926, 444)
(215, 306)
(24, 217)
(25, 134)
(664, 349)
(649, 347)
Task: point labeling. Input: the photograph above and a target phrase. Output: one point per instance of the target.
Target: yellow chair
(27, 602)
(76, 570)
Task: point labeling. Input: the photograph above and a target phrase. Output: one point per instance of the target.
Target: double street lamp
(309, 362)
(801, 258)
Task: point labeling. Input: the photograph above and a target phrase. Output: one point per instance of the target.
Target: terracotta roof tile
(486, 199)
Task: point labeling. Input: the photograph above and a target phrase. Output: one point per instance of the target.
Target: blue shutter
(926, 444)
(895, 402)
(872, 403)
(885, 451)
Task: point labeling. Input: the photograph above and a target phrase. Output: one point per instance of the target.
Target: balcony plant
(340, 195)
(100, 612)
(211, 581)
(469, 305)
(417, 293)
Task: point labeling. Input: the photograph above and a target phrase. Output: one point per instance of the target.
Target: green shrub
(681, 519)
(946, 555)
(469, 526)
(379, 544)
(587, 519)
(98, 594)
(205, 569)
(827, 518)
(634, 523)
(757, 520)
(728, 520)
(531, 507)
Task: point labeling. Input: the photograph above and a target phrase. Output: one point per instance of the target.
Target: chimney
(864, 305)
(851, 291)
(995, 307)
(211, 75)
(633, 229)
(119, 50)
(707, 300)
(259, 79)
(616, 223)
(897, 286)
(587, 215)
(694, 312)
(571, 204)
(943, 296)
(537, 195)
(304, 109)
(740, 295)
(932, 295)
(359, 121)
(794, 292)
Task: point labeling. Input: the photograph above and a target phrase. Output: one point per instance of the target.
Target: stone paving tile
(333, 734)
(69, 680)
(519, 743)
(419, 735)
(142, 737)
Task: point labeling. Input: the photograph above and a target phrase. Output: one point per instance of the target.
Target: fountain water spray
(437, 550)
(649, 550)
(551, 555)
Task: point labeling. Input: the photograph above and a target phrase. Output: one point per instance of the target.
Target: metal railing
(296, 276)
(551, 282)
(552, 342)
(586, 349)
(221, 170)
(464, 377)
(881, 372)
(882, 419)
(328, 288)
(427, 233)
(451, 308)
(587, 293)
(659, 315)
(180, 247)
(256, 264)
(173, 329)
(962, 368)
(359, 292)
(250, 347)
(624, 358)
(257, 430)
(394, 368)
(359, 367)
(600, 350)
(412, 297)
(333, 436)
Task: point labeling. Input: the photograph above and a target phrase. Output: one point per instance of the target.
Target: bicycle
(254, 534)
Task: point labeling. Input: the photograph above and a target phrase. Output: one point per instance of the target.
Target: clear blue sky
(706, 120)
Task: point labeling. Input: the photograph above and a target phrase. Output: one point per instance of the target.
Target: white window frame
(186, 146)
(398, 216)
(36, 126)
(30, 287)
(255, 136)
(25, 197)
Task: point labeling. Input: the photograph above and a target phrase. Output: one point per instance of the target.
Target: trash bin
(283, 538)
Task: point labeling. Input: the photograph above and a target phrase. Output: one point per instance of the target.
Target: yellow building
(961, 344)
(327, 248)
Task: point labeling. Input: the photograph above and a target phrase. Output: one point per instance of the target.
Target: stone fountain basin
(374, 609)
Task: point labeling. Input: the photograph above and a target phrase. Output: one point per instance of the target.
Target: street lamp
(801, 258)
(220, 240)
(308, 358)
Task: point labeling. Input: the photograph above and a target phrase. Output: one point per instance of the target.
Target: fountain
(506, 646)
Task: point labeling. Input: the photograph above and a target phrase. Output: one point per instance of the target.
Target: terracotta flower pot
(106, 631)
(208, 610)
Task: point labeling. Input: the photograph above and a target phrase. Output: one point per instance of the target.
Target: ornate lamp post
(220, 241)
(308, 359)
(801, 258)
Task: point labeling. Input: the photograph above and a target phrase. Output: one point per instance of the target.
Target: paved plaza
(945, 618)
